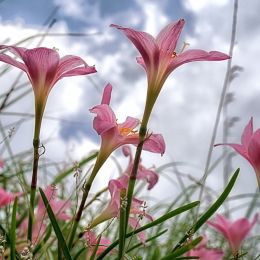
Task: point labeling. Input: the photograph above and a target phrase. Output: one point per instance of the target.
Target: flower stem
(39, 109)
(150, 101)
(101, 158)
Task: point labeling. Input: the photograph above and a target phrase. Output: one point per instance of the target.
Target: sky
(186, 109)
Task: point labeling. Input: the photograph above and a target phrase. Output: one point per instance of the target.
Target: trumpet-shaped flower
(234, 232)
(160, 57)
(142, 173)
(44, 68)
(7, 197)
(114, 135)
(113, 208)
(249, 147)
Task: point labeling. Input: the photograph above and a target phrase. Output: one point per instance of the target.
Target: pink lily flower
(142, 173)
(160, 57)
(114, 135)
(58, 207)
(113, 208)
(234, 232)
(7, 197)
(205, 253)
(249, 147)
(44, 68)
(91, 239)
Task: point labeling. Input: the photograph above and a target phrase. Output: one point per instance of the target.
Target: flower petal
(107, 94)
(155, 143)
(168, 37)
(42, 64)
(9, 60)
(195, 55)
(144, 42)
(105, 119)
(254, 151)
(247, 134)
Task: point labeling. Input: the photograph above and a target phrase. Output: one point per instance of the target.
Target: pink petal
(195, 55)
(144, 42)
(238, 148)
(105, 118)
(18, 51)
(150, 176)
(127, 151)
(78, 71)
(129, 124)
(155, 143)
(134, 223)
(254, 151)
(168, 37)
(42, 64)
(107, 94)
(238, 232)
(247, 134)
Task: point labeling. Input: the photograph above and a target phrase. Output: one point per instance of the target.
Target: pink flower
(114, 135)
(44, 67)
(58, 207)
(249, 147)
(2, 163)
(142, 173)
(205, 253)
(159, 55)
(113, 208)
(7, 197)
(235, 232)
(92, 241)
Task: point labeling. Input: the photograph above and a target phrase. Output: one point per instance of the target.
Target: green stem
(39, 109)
(150, 101)
(101, 158)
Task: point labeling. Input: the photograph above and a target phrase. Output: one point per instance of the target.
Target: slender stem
(39, 109)
(150, 101)
(86, 188)
(221, 101)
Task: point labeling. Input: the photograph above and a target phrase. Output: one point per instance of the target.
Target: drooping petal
(18, 51)
(247, 134)
(150, 176)
(107, 94)
(168, 37)
(155, 143)
(105, 118)
(11, 61)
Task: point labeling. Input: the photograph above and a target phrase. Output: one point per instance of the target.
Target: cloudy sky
(186, 109)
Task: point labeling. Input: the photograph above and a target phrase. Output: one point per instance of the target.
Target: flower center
(184, 46)
(126, 131)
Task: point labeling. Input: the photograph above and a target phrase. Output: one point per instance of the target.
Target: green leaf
(151, 224)
(92, 257)
(147, 240)
(13, 231)
(210, 211)
(61, 240)
(182, 250)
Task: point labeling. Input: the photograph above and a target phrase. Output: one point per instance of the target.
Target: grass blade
(210, 211)
(13, 231)
(56, 227)
(151, 224)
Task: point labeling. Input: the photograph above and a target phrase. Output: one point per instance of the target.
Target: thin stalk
(86, 188)
(150, 101)
(39, 109)
(222, 99)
